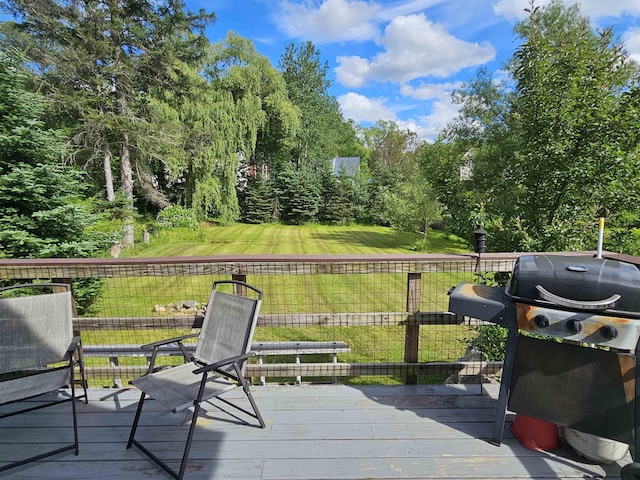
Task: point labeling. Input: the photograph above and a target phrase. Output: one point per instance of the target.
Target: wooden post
(239, 289)
(412, 333)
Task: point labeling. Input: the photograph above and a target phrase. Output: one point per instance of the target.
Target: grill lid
(577, 282)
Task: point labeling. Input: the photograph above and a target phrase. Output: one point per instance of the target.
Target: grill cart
(580, 370)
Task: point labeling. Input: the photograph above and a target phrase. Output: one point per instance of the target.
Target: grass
(289, 239)
(133, 296)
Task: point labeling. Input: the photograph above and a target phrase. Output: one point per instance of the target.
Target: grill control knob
(573, 327)
(609, 332)
(541, 321)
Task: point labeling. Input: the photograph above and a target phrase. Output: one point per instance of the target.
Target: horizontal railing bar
(357, 369)
(275, 320)
(260, 348)
(255, 265)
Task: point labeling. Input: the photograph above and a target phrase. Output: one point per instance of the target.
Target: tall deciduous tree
(391, 147)
(567, 110)
(551, 156)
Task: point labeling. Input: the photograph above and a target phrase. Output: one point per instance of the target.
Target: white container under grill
(592, 447)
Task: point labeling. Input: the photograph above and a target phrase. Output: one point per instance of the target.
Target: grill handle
(578, 304)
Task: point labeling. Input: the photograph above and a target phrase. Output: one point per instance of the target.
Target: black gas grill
(579, 369)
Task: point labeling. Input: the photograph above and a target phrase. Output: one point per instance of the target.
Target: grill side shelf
(479, 301)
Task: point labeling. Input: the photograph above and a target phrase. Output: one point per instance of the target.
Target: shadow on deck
(313, 432)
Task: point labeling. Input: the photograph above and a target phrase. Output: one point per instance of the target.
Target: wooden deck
(313, 432)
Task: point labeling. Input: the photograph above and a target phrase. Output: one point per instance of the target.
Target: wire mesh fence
(361, 320)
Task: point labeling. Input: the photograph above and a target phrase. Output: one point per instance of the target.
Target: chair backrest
(229, 323)
(35, 330)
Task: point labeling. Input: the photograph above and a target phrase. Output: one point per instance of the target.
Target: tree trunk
(126, 178)
(108, 176)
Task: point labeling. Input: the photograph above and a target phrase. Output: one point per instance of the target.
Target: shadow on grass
(435, 242)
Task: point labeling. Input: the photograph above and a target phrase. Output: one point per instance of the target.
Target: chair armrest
(74, 344)
(222, 363)
(149, 346)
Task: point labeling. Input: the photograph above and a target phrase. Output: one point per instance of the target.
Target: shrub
(178, 217)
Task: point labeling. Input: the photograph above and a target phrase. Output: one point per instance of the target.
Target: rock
(159, 309)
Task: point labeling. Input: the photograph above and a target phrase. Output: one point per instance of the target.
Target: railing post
(412, 333)
(237, 289)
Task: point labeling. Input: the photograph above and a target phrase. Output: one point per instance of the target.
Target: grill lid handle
(578, 304)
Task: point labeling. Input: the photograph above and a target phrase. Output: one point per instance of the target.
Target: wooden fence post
(412, 332)
(239, 289)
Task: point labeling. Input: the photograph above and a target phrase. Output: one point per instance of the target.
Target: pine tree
(298, 194)
(256, 204)
(41, 213)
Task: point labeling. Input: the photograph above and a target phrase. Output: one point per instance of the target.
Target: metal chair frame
(72, 357)
(231, 368)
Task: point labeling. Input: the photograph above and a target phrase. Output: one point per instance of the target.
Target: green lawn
(382, 292)
(289, 239)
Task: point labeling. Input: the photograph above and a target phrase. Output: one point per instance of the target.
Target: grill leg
(505, 387)
(635, 448)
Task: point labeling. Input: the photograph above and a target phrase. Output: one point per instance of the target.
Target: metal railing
(390, 310)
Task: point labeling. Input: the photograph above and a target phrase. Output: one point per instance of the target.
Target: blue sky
(399, 60)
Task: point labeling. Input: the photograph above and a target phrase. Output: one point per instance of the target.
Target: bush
(491, 341)
(178, 217)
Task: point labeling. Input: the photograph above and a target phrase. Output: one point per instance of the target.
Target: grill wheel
(630, 471)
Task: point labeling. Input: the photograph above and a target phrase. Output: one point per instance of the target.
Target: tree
(298, 195)
(337, 197)
(240, 97)
(256, 202)
(41, 211)
(567, 111)
(391, 148)
(547, 158)
(323, 133)
(412, 206)
(383, 182)
(100, 61)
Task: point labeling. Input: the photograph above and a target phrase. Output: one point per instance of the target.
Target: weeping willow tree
(239, 97)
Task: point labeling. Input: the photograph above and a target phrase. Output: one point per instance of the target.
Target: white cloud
(406, 8)
(514, 9)
(631, 39)
(430, 91)
(430, 126)
(363, 109)
(414, 47)
(332, 21)
(369, 110)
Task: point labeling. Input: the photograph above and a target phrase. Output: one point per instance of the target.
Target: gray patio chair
(216, 367)
(38, 353)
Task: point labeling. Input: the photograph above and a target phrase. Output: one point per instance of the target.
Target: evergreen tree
(337, 197)
(41, 212)
(257, 200)
(101, 62)
(298, 195)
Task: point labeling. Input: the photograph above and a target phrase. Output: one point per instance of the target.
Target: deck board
(332, 432)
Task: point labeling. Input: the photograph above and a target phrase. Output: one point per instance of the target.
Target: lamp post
(480, 240)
